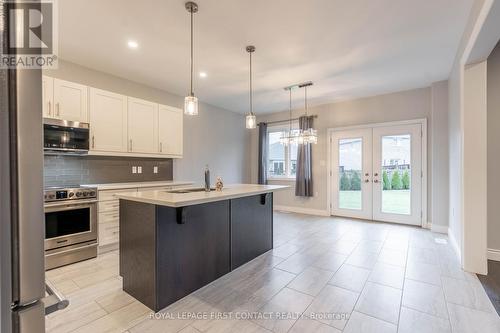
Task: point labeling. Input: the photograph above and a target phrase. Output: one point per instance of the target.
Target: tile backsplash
(61, 170)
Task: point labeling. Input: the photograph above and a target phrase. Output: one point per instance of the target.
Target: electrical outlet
(155, 169)
(134, 169)
(139, 169)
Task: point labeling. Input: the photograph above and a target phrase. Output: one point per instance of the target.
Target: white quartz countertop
(119, 186)
(164, 198)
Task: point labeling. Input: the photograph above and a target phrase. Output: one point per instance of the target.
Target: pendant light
(309, 135)
(191, 102)
(288, 138)
(251, 121)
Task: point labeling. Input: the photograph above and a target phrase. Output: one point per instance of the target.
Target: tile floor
(324, 275)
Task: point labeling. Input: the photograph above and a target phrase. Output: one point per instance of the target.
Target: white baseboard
(442, 229)
(454, 244)
(300, 210)
(494, 254)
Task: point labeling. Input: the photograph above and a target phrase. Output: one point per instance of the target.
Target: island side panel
(251, 228)
(137, 250)
(193, 248)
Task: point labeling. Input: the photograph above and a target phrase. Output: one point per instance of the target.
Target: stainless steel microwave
(65, 137)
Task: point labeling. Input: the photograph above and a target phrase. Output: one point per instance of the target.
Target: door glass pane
(396, 174)
(67, 222)
(350, 162)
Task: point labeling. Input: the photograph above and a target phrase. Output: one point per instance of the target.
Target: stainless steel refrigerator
(22, 228)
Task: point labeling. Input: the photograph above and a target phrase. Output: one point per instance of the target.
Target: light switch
(155, 169)
(134, 169)
(139, 169)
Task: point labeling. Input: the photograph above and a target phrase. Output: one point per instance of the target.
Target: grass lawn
(394, 202)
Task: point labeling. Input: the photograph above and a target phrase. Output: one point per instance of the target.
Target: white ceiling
(348, 48)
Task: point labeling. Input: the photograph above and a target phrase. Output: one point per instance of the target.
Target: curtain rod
(284, 121)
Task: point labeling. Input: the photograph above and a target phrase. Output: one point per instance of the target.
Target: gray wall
(216, 136)
(71, 170)
(493, 149)
(398, 106)
(438, 149)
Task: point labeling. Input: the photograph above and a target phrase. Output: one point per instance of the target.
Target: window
(282, 160)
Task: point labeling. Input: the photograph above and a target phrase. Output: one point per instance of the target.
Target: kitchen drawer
(109, 233)
(107, 206)
(109, 216)
(110, 194)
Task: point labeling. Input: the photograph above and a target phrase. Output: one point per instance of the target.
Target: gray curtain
(303, 180)
(263, 153)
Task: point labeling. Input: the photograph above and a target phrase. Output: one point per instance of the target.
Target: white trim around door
(422, 221)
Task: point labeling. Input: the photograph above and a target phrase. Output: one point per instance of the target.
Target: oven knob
(85, 194)
(45, 196)
(78, 194)
(71, 194)
(92, 193)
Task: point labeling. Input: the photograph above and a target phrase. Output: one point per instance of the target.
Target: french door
(377, 173)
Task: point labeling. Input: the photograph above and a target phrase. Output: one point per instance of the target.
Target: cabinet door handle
(50, 109)
(93, 142)
(130, 144)
(161, 147)
(57, 109)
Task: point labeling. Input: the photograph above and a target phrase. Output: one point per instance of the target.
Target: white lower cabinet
(108, 216)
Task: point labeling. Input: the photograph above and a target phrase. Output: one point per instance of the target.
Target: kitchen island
(175, 242)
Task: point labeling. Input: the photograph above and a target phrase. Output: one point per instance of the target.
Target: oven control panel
(61, 194)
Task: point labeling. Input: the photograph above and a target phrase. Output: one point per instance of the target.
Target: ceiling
(349, 49)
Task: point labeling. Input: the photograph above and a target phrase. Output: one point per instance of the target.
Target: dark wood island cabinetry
(168, 252)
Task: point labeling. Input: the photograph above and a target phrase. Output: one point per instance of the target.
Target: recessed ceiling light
(132, 44)
(203, 74)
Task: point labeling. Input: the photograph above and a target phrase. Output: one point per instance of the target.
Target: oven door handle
(55, 300)
(76, 203)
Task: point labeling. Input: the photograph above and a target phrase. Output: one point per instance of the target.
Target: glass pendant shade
(251, 121)
(309, 135)
(191, 105)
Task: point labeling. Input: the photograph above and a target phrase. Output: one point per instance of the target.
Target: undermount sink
(189, 190)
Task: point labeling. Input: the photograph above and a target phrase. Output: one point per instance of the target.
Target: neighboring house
(396, 154)
(277, 159)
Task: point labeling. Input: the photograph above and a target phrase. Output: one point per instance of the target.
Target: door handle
(375, 180)
(367, 180)
(55, 300)
(375, 174)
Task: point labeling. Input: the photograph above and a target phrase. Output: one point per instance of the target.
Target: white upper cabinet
(170, 125)
(70, 101)
(119, 125)
(48, 97)
(108, 121)
(142, 126)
